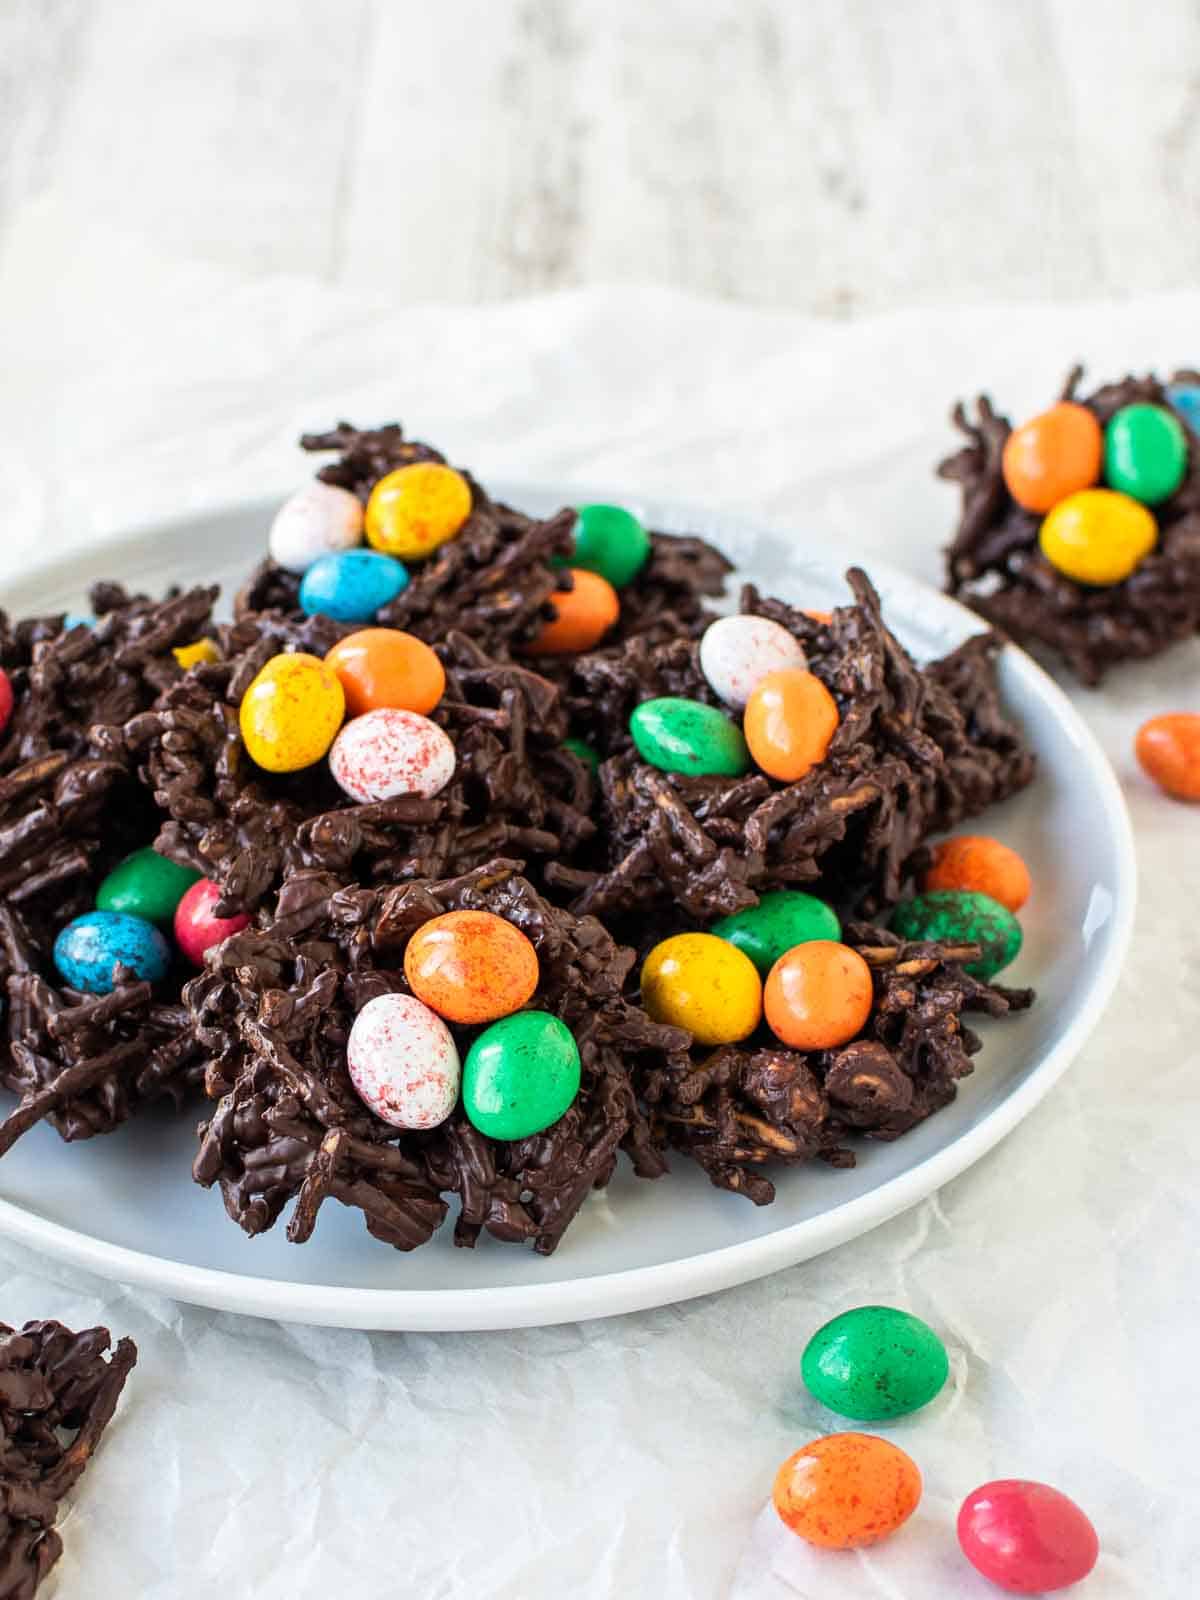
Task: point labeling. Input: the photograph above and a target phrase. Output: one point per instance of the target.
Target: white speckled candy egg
(387, 753)
(736, 653)
(403, 1062)
(318, 520)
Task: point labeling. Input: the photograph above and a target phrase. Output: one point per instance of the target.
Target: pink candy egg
(197, 929)
(403, 1062)
(1026, 1537)
(6, 699)
(737, 653)
(387, 753)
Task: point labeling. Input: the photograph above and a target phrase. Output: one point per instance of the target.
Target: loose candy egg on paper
(791, 717)
(781, 920)
(611, 541)
(875, 1362)
(1168, 748)
(521, 1075)
(704, 984)
(583, 614)
(88, 951)
(956, 916)
(415, 510)
(1053, 455)
(351, 586)
(471, 966)
(737, 653)
(6, 699)
(975, 862)
(403, 1062)
(146, 885)
(197, 926)
(847, 1491)
(318, 520)
(387, 669)
(291, 712)
(1098, 537)
(818, 995)
(1145, 453)
(385, 754)
(1185, 398)
(203, 652)
(1026, 1537)
(687, 736)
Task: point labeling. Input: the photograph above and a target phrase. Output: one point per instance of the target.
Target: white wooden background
(839, 156)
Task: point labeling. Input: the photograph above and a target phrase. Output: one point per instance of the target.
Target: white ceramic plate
(125, 1207)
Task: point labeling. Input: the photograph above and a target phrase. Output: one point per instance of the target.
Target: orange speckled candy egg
(1052, 455)
(385, 669)
(471, 966)
(818, 995)
(980, 864)
(790, 719)
(582, 616)
(847, 1490)
(823, 617)
(415, 510)
(1168, 748)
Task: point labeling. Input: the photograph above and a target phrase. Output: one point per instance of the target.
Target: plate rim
(510, 1306)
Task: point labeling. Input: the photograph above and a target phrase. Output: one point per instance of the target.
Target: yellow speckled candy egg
(417, 508)
(1098, 536)
(704, 984)
(291, 713)
(201, 653)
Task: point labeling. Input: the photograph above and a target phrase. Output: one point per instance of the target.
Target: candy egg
(781, 920)
(317, 520)
(1026, 1537)
(88, 950)
(875, 1362)
(583, 614)
(975, 862)
(146, 885)
(737, 653)
(197, 927)
(1145, 453)
(611, 541)
(1052, 455)
(201, 653)
(351, 586)
(790, 719)
(415, 510)
(847, 1490)
(818, 995)
(688, 736)
(963, 917)
(1168, 748)
(521, 1075)
(387, 669)
(1185, 397)
(291, 712)
(6, 699)
(403, 1062)
(471, 966)
(1098, 536)
(580, 748)
(385, 754)
(823, 617)
(703, 984)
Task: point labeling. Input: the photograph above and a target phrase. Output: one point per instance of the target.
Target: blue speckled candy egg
(87, 950)
(351, 585)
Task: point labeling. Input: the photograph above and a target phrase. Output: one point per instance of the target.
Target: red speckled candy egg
(403, 1062)
(197, 928)
(6, 699)
(387, 753)
(1026, 1537)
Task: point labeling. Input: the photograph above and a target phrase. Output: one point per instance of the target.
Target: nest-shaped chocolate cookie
(58, 1393)
(917, 751)
(995, 565)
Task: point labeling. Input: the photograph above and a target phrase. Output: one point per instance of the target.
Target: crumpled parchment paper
(635, 1456)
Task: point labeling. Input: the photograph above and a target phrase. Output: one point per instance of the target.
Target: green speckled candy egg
(581, 748)
(960, 916)
(687, 736)
(780, 921)
(1145, 453)
(146, 885)
(875, 1362)
(520, 1075)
